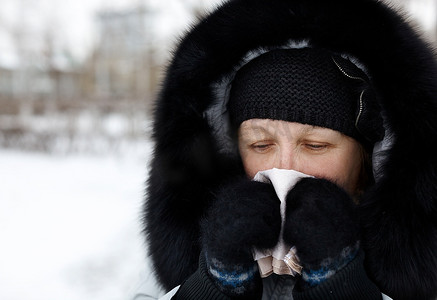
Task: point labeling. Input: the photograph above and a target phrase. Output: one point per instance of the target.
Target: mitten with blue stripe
(321, 223)
(244, 215)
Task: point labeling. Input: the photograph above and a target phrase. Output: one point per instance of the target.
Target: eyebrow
(267, 128)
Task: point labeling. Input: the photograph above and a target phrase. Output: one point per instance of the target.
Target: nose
(288, 159)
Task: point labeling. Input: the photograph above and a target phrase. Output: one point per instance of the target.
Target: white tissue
(282, 258)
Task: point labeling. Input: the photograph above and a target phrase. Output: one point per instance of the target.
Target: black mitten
(244, 215)
(321, 222)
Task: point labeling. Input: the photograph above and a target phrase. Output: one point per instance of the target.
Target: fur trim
(399, 212)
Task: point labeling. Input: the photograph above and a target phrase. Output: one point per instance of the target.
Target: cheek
(351, 174)
(321, 167)
(343, 169)
(254, 163)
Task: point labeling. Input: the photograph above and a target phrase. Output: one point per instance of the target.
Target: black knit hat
(309, 86)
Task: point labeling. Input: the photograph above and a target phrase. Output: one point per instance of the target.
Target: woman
(200, 206)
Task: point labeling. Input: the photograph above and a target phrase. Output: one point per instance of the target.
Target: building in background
(40, 77)
(124, 62)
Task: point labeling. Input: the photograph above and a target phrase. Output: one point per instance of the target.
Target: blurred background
(77, 83)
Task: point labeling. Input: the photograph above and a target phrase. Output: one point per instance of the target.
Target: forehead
(278, 126)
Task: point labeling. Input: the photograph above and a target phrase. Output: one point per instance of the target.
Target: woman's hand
(244, 215)
(321, 222)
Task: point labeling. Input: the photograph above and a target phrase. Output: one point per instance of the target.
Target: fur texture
(245, 215)
(320, 221)
(399, 214)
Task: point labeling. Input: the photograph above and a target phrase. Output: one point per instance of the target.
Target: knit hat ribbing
(309, 86)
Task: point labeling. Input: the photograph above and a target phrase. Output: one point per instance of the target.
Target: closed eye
(316, 147)
(261, 147)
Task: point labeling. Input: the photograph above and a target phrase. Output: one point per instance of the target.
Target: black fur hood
(193, 155)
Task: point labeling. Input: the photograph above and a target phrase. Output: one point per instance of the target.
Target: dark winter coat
(192, 157)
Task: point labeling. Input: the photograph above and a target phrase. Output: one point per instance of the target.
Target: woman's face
(325, 153)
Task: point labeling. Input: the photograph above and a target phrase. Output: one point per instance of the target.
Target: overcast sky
(69, 20)
(72, 22)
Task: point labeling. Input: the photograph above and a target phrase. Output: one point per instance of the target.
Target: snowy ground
(70, 225)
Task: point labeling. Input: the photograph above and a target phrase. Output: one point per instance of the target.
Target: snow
(70, 225)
